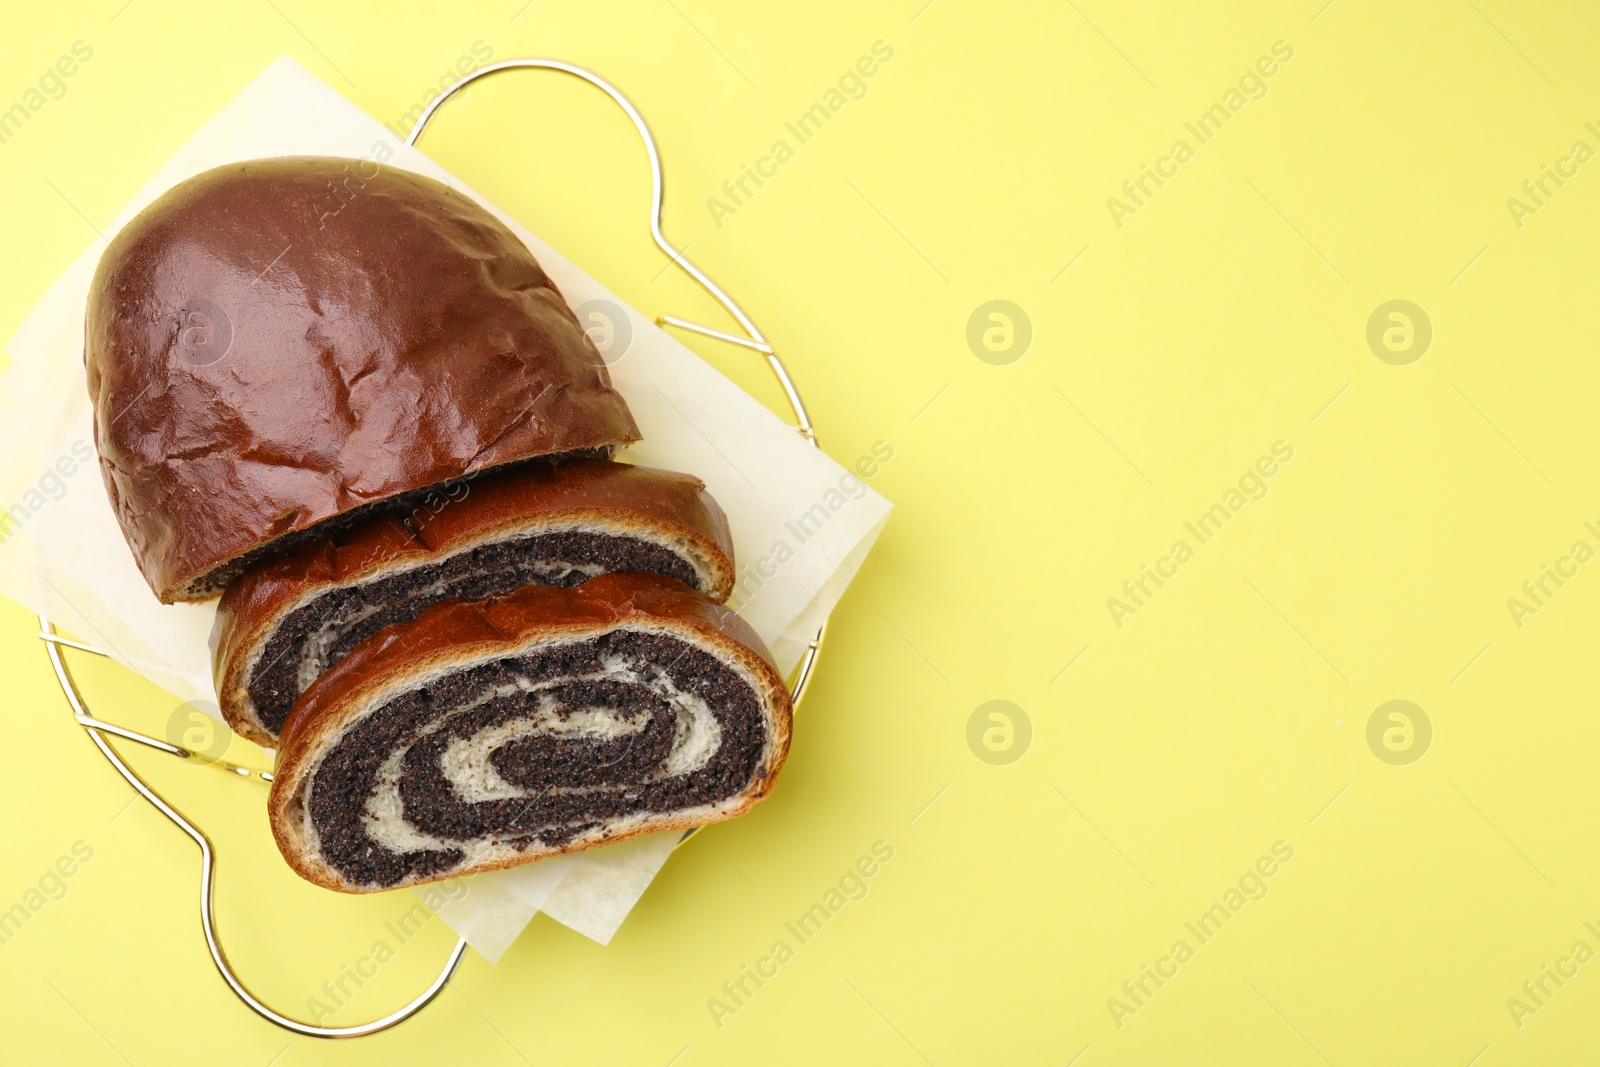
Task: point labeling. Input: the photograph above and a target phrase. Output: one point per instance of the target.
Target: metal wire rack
(99, 730)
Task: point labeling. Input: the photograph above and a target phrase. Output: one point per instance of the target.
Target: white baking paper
(802, 523)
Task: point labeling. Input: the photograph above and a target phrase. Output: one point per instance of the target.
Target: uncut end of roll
(488, 734)
(406, 333)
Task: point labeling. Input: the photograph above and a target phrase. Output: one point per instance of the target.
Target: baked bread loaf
(487, 734)
(288, 618)
(276, 343)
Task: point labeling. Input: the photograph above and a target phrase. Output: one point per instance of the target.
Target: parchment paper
(802, 523)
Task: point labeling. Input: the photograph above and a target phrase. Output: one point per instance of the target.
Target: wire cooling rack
(99, 730)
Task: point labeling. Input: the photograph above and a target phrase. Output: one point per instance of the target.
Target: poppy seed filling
(319, 633)
(535, 749)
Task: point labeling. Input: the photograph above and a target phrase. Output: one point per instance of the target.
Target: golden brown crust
(458, 632)
(526, 498)
(278, 342)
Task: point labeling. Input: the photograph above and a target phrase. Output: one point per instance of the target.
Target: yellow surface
(1168, 755)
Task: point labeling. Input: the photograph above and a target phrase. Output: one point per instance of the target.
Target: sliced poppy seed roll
(288, 619)
(486, 734)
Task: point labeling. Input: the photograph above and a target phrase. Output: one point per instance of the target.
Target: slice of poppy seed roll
(485, 734)
(287, 619)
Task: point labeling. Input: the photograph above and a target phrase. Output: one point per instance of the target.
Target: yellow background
(1224, 716)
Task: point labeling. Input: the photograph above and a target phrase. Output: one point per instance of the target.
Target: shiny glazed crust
(279, 342)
